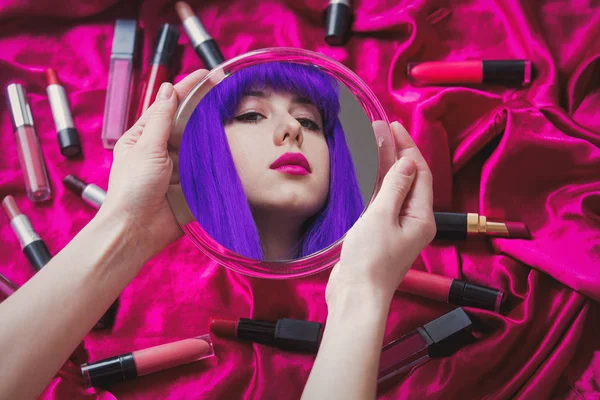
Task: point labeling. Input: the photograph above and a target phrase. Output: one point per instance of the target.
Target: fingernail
(405, 166)
(165, 91)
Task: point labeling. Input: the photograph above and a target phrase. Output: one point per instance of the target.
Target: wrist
(358, 303)
(121, 236)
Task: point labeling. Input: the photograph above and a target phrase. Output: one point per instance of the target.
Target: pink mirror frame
(286, 269)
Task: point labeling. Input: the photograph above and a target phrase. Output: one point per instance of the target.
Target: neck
(279, 235)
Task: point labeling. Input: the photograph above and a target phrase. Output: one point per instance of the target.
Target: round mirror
(276, 157)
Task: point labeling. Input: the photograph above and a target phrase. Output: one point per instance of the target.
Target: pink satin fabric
(518, 154)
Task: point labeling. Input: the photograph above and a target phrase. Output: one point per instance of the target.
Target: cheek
(322, 161)
(245, 151)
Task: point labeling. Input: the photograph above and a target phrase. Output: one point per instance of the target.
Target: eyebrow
(264, 95)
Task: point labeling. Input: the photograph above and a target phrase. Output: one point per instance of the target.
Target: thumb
(396, 186)
(160, 118)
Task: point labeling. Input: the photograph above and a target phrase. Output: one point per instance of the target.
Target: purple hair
(212, 187)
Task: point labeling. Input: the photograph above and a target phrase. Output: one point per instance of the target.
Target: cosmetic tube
(497, 72)
(437, 338)
(31, 159)
(147, 361)
(120, 82)
(164, 50)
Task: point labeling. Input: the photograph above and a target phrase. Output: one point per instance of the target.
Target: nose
(289, 130)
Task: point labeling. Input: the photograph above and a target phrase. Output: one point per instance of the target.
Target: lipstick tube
(34, 248)
(204, 45)
(90, 193)
(338, 19)
(451, 291)
(7, 287)
(457, 226)
(68, 137)
(120, 82)
(143, 362)
(164, 49)
(499, 72)
(94, 196)
(437, 338)
(37, 252)
(31, 159)
(286, 333)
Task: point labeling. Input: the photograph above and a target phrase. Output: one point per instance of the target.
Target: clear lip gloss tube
(37, 183)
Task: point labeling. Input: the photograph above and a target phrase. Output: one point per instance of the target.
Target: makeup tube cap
(470, 295)
(109, 371)
(124, 37)
(338, 18)
(68, 140)
(38, 254)
(19, 107)
(507, 72)
(298, 335)
(447, 332)
(166, 45)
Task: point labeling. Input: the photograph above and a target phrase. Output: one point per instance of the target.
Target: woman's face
(280, 152)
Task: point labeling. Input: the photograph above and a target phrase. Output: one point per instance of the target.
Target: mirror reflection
(277, 161)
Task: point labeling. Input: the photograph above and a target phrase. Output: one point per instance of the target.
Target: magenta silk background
(517, 154)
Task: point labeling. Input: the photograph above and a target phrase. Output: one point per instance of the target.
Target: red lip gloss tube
(437, 338)
(451, 291)
(7, 287)
(31, 159)
(90, 193)
(165, 46)
(143, 362)
(120, 82)
(204, 45)
(68, 137)
(498, 72)
(34, 248)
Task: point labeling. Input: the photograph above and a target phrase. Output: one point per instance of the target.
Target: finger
(160, 118)
(396, 186)
(175, 174)
(186, 84)
(181, 89)
(406, 145)
(420, 200)
(385, 147)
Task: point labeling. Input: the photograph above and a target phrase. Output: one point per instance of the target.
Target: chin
(298, 204)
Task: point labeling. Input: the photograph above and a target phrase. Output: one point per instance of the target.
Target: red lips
(292, 163)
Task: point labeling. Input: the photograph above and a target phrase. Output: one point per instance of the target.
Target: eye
(250, 117)
(309, 124)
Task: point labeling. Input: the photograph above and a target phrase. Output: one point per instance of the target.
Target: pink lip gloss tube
(130, 365)
(120, 82)
(37, 183)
